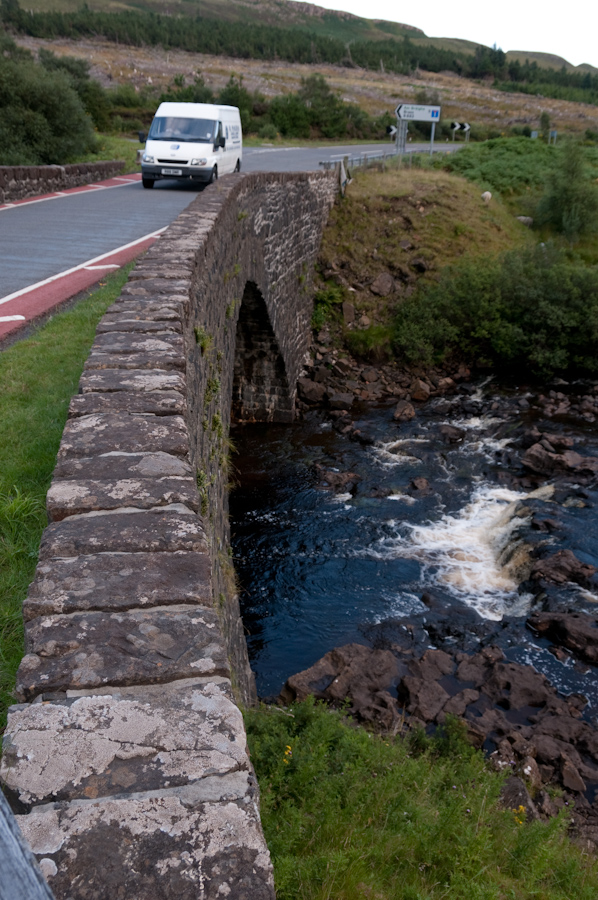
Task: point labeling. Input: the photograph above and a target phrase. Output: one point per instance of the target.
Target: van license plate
(172, 171)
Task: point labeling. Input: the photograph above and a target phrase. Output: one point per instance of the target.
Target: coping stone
(169, 845)
(119, 324)
(165, 530)
(158, 403)
(152, 737)
(115, 465)
(118, 581)
(165, 359)
(132, 342)
(106, 380)
(68, 497)
(91, 649)
(106, 432)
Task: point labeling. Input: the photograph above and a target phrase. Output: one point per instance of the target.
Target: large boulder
(383, 285)
(310, 391)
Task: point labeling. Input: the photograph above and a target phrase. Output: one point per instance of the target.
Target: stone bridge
(126, 759)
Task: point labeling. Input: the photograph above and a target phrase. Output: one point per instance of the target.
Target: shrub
(570, 202)
(42, 118)
(268, 132)
(507, 165)
(530, 311)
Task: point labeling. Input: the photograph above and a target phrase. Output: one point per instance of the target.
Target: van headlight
(147, 158)
(198, 162)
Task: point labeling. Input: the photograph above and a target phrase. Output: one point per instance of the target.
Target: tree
(545, 125)
(570, 201)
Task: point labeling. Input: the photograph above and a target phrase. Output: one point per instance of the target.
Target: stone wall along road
(19, 182)
(126, 758)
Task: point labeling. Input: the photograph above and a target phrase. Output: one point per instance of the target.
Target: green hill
(342, 26)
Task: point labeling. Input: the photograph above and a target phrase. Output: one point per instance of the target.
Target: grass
(38, 376)
(112, 146)
(353, 816)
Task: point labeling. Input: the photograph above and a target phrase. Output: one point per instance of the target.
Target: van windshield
(176, 128)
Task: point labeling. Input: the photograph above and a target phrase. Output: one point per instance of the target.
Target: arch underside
(260, 384)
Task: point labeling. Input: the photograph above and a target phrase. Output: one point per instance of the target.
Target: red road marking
(38, 299)
(117, 181)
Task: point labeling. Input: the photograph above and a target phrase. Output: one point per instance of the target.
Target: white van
(192, 142)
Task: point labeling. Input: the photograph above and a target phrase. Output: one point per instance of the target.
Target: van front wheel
(147, 182)
(214, 175)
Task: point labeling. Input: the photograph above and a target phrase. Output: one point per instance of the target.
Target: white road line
(85, 265)
(55, 195)
(12, 318)
(108, 266)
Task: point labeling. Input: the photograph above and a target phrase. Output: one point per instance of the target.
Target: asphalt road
(39, 240)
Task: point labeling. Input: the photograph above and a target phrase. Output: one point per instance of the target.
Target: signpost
(461, 126)
(415, 112)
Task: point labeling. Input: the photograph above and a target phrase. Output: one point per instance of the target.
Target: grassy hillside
(339, 25)
(282, 13)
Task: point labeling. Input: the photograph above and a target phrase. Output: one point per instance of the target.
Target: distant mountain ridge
(338, 24)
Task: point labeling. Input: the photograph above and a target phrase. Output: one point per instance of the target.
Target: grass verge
(109, 147)
(38, 376)
(352, 816)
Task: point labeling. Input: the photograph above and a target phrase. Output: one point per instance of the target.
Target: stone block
(108, 380)
(152, 737)
(71, 497)
(122, 323)
(163, 309)
(165, 359)
(119, 581)
(93, 649)
(163, 530)
(131, 342)
(106, 432)
(158, 403)
(179, 844)
(116, 465)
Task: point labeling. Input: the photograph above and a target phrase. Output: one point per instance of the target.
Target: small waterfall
(477, 553)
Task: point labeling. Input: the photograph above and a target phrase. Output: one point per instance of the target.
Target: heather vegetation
(256, 40)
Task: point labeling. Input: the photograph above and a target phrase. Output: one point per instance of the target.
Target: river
(388, 558)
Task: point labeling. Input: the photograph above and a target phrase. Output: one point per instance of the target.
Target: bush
(530, 311)
(268, 132)
(42, 118)
(570, 202)
(507, 165)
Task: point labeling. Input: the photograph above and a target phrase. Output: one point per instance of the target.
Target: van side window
(219, 132)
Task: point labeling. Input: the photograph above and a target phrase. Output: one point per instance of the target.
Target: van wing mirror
(222, 142)
(142, 137)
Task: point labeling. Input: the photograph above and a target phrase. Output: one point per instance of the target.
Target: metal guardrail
(361, 160)
(20, 876)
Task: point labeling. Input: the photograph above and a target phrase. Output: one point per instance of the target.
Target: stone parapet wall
(126, 758)
(20, 182)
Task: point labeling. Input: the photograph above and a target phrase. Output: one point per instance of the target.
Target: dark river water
(383, 562)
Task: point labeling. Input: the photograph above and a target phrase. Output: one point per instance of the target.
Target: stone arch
(261, 390)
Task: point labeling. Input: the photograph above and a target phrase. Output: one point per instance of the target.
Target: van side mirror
(222, 142)
(142, 137)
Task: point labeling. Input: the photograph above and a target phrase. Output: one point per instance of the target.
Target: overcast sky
(567, 29)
